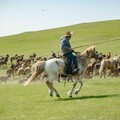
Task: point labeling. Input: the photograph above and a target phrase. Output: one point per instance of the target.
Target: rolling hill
(99, 98)
(45, 41)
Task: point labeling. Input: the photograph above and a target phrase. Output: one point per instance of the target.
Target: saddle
(69, 66)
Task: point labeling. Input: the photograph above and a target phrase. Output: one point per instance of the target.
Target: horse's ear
(87, 52)
(93, 47)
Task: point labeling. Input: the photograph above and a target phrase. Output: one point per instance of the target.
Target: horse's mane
(88, 50)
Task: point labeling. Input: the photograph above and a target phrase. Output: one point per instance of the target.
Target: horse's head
(92, 53)
(117, 59)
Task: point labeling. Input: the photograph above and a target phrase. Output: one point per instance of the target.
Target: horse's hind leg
(56, 92)
(51, 89)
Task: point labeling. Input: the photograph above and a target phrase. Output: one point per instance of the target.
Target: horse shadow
(88, 97)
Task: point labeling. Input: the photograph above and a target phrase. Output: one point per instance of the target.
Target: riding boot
(75, 71)
(68, 68)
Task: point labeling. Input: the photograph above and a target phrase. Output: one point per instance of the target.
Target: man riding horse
(67, 52)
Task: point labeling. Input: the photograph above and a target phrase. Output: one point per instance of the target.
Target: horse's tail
(38, 68)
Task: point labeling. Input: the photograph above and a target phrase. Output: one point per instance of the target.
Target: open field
(98, 100)
(43, 42)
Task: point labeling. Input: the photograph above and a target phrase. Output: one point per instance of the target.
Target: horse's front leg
(79, 88)
(104, 73)
(71, 91)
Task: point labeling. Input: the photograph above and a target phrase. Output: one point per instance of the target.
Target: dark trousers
(72, 59)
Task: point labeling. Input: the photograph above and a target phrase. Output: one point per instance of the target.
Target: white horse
(54, 67)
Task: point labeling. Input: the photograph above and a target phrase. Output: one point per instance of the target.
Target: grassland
(98, 100)
(43, 42)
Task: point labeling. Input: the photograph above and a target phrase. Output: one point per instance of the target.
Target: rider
(67, 51)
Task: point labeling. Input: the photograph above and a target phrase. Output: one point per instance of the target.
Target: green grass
(99, 99)
(43, 42)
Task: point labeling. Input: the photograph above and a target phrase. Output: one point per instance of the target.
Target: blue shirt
(65, 45)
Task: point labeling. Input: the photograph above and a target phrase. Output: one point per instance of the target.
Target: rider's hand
(72, 50)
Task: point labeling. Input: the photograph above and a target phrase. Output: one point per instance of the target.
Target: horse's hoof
(51, 95)
(58, 95)
(76, 92)
(69, 94)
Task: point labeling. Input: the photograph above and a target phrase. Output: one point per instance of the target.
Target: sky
(18, 16)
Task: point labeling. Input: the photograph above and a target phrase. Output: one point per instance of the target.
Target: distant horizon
(18, 16)
(58, 27)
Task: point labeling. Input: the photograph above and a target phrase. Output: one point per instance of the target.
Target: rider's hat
(68, 33)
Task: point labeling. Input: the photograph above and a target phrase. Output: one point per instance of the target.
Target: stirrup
(75, 71)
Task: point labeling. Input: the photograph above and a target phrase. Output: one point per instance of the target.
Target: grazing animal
(89, 69)
(27, 70)
(54, 67)
(32, 57)
(4, 78)
(20, 71)
(110, 64)
(4, 61)
(10, 71)
(13, 58)
(19, 58)
(118, 72)
(96, 69)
